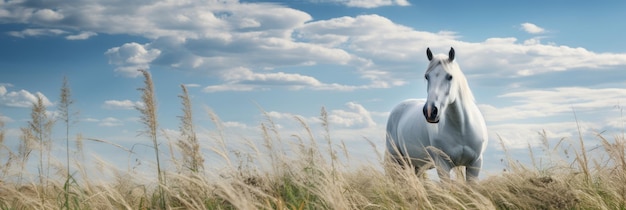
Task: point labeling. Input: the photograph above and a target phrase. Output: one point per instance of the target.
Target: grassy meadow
(310, 174)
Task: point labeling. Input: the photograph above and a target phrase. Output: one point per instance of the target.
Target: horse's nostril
(430, 112)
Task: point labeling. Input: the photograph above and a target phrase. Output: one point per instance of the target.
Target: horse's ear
(429, 54)
(451, 54)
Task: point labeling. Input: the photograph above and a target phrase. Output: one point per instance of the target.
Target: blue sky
(530, 64)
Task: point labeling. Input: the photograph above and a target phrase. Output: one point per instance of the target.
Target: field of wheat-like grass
(311, 173)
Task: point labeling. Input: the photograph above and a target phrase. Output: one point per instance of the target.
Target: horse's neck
(458, 115)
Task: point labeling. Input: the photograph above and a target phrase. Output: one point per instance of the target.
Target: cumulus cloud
(131, 57)
(369, 3)
(242, 79)
(385, 43)
(123, 104)
(211, 36)
(36, 32)
(47, 15)
(355, 116)
(233, 124)
(513, 59)
(215, 37)
(351, 126)
(402, 2)
(381, 51)
(557, 111)
(522, 135)
(21, 98)
(81, 36)
(375, 37)
(532, 28)
(531, 104)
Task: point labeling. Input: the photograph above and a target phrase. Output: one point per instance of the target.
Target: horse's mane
(452, 67)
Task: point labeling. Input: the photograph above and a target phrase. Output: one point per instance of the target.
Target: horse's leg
(443, 167)
(473, 169)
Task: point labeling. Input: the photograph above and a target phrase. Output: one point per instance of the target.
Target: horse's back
(407, 131)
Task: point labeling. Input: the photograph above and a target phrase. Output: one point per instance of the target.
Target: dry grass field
(310, 174)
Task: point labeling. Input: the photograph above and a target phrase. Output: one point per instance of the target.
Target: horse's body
(447, 128)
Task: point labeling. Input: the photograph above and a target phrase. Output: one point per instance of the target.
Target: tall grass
(37, 135)
(312, 170)
(67, 116)
(188, 140)
(149, 118)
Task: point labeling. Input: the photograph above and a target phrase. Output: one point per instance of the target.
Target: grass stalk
(331, 151)
(188, 141)
(581, 158)
(38, 133)
(66, 115)
(149, 118)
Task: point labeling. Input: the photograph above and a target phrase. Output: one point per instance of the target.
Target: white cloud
(546, 103)
(193, 85)
(124, 104)
(402, 2)
(47, 15)
(355, 116)
(230, 87)
(370, 3)
(21, 98)
(131, 57)
(375, 37)
(232, 124)
(3, 89)
(110, 122)
(214, 37)
(36, 32)
(280, 115)
(521, 135)
(350, 126)
(533, 41)
(280, 78)
(532, 28)
(81, 36)
(512, 59)
(5, 119)
(387, 44)
(557, 111)
(242, 79)
(89, 119)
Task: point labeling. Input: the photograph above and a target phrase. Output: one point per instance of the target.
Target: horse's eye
(427, 77)
(449, 77)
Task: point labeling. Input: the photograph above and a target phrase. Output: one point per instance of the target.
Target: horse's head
(442, 86)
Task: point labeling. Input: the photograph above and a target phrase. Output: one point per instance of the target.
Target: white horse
(448, 128)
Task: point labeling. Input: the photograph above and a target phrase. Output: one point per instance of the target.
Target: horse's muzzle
(431, 113)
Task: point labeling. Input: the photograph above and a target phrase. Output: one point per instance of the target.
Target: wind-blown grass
(67, 115)
(311, 170)
(188, 144)
(149, 118)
